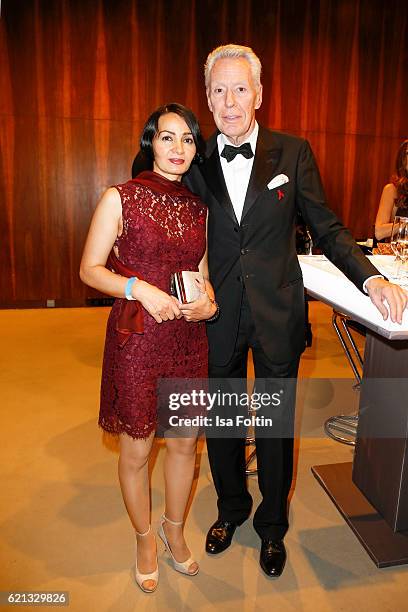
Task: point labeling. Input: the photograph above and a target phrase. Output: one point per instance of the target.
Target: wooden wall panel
(78, 79)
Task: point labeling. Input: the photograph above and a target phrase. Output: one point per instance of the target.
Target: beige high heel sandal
(183, 566)
(142, 578)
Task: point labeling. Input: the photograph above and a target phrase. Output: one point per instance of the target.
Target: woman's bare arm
(105, 226)
(383, 222)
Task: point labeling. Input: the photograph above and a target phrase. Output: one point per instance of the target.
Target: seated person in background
(394, 198)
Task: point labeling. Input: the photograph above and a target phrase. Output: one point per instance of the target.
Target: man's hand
(381, 291)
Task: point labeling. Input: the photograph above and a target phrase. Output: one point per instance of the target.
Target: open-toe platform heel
(142, 578)
(183, 566)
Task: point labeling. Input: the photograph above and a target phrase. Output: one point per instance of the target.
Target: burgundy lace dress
(164, 228)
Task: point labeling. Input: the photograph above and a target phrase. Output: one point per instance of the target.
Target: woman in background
(146, 229)
(394, 198)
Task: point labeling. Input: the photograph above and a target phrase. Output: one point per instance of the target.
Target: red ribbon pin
(280, 195)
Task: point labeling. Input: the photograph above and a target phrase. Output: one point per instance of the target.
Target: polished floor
(63, 524)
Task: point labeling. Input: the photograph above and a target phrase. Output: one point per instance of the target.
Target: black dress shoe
(219, 536)
(273, 557)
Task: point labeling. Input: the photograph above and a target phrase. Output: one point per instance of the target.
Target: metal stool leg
(343, 428)
(355, 360)
(250, 441)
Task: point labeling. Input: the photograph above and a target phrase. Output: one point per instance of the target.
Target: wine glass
(402, 244)
(396, 225)
(399, 242)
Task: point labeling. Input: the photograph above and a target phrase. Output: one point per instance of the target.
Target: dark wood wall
(79, 77)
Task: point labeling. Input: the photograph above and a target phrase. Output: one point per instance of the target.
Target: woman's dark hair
(400, 178)
(152, 125)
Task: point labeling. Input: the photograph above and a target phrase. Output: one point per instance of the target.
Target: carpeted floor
(63, 524)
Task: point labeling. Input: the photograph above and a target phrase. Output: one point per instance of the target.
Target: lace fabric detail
(173, 214)
(162, 233)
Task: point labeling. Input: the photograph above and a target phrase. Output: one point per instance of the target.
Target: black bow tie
(230, 152)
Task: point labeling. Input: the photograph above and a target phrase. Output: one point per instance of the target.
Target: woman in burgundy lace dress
(146, 229)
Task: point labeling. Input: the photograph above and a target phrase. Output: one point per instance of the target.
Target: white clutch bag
(184, 286)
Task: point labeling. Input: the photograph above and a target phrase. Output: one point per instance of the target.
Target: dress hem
(135, 434)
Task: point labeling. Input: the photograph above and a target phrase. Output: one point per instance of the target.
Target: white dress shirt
(238, 171)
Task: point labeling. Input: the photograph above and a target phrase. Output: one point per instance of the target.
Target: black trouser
(274, 454)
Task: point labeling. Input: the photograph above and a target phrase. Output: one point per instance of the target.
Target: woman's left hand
(201, 309)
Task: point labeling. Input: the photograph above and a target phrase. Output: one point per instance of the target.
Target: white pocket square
(277, 181)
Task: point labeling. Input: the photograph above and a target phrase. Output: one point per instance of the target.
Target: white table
(372, 492)
(325, 282)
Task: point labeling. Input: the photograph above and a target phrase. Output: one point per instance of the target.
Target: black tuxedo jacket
(260, 251)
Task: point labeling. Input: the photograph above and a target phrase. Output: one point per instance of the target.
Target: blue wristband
(128, 288)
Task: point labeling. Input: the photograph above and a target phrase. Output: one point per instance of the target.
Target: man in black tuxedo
(254, 181)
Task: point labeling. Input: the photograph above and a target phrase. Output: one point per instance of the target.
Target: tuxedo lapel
(214, 178)
(266, 160)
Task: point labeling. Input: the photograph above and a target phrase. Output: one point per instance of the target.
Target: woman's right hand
(160, 305)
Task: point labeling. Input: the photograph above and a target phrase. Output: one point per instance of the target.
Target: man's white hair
(235, 52)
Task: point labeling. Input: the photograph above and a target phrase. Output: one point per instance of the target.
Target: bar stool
(250, 442)
(343, 427)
